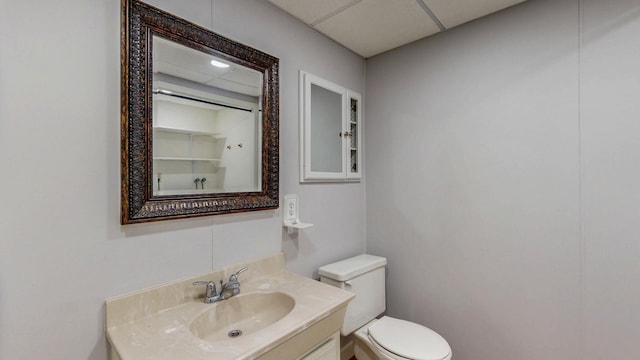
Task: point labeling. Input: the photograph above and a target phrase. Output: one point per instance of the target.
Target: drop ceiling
(371, 27)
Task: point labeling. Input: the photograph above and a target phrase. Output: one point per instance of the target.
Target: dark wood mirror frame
(140, 22)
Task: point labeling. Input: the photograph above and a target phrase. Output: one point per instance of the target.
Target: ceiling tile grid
(310, 11)
(371, 27)
(456, 12)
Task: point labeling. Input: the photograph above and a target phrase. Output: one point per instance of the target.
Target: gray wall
(502, 171)
(503, 163)
(62, 250)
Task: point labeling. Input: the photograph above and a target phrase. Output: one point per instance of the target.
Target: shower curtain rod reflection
(187, 97)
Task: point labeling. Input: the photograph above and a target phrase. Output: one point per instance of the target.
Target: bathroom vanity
(276, 315)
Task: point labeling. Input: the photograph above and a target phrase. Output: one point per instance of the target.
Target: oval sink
(241, 315)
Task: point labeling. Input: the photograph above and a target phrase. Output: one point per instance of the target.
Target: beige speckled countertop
(154, 323)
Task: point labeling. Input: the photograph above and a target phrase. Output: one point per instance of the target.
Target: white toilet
(386, 338)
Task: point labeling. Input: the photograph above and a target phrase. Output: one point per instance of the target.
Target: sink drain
(234, 333)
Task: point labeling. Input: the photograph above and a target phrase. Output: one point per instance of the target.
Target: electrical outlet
(290, 216)
(291, 209)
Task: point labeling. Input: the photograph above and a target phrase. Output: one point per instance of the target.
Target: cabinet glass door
(353, 143)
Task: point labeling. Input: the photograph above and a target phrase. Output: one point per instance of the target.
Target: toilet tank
(362, 275)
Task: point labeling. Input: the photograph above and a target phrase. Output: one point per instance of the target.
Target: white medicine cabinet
(330, 131)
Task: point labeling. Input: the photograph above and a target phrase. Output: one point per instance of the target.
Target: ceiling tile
(373, 26)
(455, 12)
(310, 11)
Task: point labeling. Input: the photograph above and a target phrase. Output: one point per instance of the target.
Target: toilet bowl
(389, 338)
(383, 338)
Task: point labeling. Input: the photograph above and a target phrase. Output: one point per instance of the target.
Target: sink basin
(241, 315)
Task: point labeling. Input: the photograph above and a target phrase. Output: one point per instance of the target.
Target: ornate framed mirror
(199, 120)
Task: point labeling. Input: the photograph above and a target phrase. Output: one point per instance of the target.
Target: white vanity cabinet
(330, 131)
(327, 350)
(320, 341)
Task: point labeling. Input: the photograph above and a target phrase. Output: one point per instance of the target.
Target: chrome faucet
(231, 288)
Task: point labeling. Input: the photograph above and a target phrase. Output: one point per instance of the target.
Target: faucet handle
(233, 281)
(234, 276)
(211, 287)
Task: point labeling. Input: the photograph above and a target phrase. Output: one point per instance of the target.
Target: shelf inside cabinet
(187, 132)
(169, 158)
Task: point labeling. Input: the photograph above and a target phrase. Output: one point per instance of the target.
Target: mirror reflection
(326, 125)
(199, 120)
(206, 123)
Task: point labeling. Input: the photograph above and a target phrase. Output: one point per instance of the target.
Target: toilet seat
(402, 339)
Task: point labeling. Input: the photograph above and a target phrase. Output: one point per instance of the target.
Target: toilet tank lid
(349, 268)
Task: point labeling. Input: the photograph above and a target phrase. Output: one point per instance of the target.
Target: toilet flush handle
(347, 283)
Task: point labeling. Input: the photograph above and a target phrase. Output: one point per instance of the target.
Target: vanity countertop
(154, 323)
